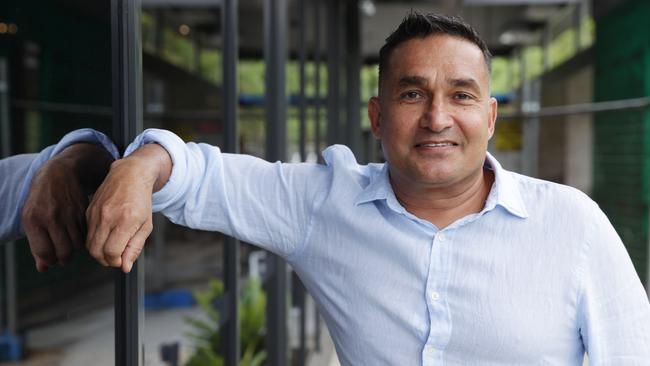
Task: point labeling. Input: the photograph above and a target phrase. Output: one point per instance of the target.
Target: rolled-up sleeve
(615, 325)
(267, 204)
(16, 175)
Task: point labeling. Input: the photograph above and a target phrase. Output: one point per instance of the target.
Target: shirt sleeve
(615, 310)
(16, 174)
(267, 204)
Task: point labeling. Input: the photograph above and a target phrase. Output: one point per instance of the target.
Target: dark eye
(462, 96)
(411, 95)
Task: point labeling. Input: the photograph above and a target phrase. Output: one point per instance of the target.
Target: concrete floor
(88, 340)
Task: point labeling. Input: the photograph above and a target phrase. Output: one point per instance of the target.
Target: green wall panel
(622, 139)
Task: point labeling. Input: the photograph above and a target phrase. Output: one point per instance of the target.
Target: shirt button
(441, 237)
(429, 350)
(435, 296)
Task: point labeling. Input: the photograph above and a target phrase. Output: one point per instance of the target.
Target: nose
(435, 116)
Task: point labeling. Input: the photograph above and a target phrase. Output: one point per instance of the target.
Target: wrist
(155, 164)
(88, 163)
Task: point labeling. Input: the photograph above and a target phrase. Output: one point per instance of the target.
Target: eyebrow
(464, 83)
(454, 82)
(412, 80)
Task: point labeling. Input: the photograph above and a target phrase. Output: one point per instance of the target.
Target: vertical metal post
(5, 151)
(302, 55)
(333, 79)
(5, 126)
(229, 20)
(302, 51)
(275, 33)
(9, 248)
(353, 77)
(317, 62)
(127, 123)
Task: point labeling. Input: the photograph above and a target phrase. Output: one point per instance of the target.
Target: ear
(374, 114)
(492, 116)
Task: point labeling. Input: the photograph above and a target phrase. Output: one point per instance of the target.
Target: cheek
(474, 125)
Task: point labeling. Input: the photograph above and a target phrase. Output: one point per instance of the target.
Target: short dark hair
(418, 25)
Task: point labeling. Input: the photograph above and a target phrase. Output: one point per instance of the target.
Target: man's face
(434, 114)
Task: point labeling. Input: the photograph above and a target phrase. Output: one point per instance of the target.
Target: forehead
(450, 56)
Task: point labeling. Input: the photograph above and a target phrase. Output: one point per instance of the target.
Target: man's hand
(53, 214)
(119, 216)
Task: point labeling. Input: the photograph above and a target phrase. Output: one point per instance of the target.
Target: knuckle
(90, 211)
(148, 227)
(96, 253)
(112, 254)
(28, 216)
(106, 212)
(136, 250)
(127, 215)
(42, 252)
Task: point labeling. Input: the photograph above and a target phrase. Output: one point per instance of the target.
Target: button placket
(440, 326)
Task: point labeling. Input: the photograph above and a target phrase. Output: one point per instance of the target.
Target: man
(438, 257)
(44, 196)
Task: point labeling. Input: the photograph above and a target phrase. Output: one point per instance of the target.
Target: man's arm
(267, 204)
(43, 195)
(613, 305)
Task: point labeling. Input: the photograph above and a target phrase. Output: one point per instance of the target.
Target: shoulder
(342, 164)
(545, 197)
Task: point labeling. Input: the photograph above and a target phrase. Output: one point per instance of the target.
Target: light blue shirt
(538, 277)
(16, 174)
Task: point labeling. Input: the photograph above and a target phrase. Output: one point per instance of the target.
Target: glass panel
(58, 55)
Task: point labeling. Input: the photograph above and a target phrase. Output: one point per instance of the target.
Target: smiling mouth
(436, 144)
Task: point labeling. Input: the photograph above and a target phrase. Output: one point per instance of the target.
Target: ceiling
(379, 17)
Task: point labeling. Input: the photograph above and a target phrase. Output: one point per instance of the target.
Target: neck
(443, 205)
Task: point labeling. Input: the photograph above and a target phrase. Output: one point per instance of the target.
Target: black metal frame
(127, 123)
(231, 258)
(275, 54)
(334, 41)
(352, 79)
(8, 312)
(317, 65)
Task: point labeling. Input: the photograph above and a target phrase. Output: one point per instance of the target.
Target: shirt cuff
(176, 148)
(86, 135)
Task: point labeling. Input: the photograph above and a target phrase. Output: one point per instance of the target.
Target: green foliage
(211, 63)
(503, 75)
(252, 317)
(178, 49)
(251, 76)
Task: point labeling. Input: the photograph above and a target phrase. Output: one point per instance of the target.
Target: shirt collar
(505, 190)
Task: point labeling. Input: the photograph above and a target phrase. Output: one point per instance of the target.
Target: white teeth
(438, 145)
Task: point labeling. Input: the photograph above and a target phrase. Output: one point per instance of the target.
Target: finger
(134, 247)
(98, 231)
(41, 247)
(116, 244)
(61, 241)
(90, 225)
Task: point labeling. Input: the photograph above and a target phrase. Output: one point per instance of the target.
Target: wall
(621, 139)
